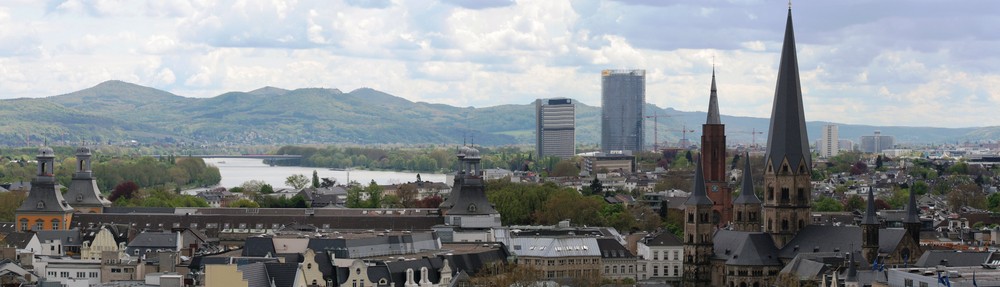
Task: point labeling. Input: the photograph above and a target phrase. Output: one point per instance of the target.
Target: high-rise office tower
(623, 97)
(877, 143)
(555, 127)
(829, 145)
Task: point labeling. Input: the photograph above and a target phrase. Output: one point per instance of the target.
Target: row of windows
(65, 274)
(560, 262)
(674, 255)
(676, 271)
(614, 269)
(39, 224)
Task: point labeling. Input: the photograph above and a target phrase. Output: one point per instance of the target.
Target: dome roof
(472, 152)
(83, 150)
(46, 152)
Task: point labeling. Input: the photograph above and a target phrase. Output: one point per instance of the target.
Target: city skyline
(879, 63)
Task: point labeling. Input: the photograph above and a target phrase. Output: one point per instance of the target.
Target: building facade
(829, 144)
(661, 258)
(876, 143)
(45, 208)
(555, 127)
(623, 97)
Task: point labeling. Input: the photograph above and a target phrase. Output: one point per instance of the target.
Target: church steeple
(869, 230)
(713, 157)
(788, 165)
(83, 192)
(45, 208)
(713, 104)
(698, 232)
(746, 206)
(912, 221)
(787, 138)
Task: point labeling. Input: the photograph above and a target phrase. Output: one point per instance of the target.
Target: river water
(236, 171)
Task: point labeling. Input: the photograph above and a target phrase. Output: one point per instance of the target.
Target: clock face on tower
(715, 188)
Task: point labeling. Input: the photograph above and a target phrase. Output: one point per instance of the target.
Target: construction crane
(753, 135)
(656, 127)
(684, 131)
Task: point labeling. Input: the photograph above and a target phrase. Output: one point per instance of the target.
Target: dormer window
(40, 205)
(79, 197)
(472, 207)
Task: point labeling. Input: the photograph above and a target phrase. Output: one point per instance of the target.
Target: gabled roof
(747, 194)
(282, 274)
(19, 240)
(933, 258)
(828, 238)
(665, 238)
(787, 136)
(67, 237)
(255, 274)
(745, 248)
(612, 249)
(155, 239)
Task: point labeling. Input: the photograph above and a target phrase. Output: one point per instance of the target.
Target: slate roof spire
(747, 195)
(852, 273)
(787, 137)
(912, 211)
(713, 104)
(870, 217)
(698, 195)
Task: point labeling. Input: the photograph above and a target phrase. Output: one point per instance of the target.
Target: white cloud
(922, 61)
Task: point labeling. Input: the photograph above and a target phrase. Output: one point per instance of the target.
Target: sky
(907, 63)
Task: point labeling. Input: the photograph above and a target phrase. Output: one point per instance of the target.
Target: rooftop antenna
(473, 140)
(789, 4)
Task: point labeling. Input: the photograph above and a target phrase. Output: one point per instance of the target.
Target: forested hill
(118, 111)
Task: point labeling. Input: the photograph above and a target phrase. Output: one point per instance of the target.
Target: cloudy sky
(914, 63)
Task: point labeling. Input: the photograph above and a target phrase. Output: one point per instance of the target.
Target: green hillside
(119, 111)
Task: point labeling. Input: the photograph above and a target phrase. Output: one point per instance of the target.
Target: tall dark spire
(713, 104)
(912, 213)
(787, 137)
(852, 272)
(698, 195)
(870, 217)
(747, 195)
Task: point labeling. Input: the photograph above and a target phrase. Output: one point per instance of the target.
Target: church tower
(869, 230)
(83, 192)
(746, 206)
(912, 221)
(713, 154)
(698, 232)
(45, 208)
(788, 163)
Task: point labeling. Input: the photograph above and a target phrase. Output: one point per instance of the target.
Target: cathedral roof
(787, 137)
(745, 248)
(747, 195)
(713, 105)
(698, 195)
(828, 238)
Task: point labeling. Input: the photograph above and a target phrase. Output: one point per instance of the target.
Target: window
(24, 224)
(55, 224)
(802, 193)
(52, 274)
(677, 271)
(64, 274)
(908, 282)
(924, 284)
(93, 274)
(656, 255)
(40, 205)
(784, 194)
(81, 274)
(39, 224)
(770, 193)
(656, 270)
(784, 224)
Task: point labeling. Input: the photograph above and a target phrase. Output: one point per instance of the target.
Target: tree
(854, 202)
(266, 189)
(354, 197)
(429, 202)
(315, 179)
(993, 202)
(374, 193)
(10, 202)
(878, 162)
(967, 194)
(252, 186)
(920, 187)
(328, 182)
(859, 168)
(565, 168)
(297, 181)
(125, 190)
(827, 204)
(596, 187)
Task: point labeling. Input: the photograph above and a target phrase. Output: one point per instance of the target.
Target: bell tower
(713, 154)
(45, 208)
(698, 233)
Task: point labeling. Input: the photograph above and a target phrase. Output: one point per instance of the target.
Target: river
(236, 171)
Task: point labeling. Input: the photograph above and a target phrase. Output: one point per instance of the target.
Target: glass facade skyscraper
(555, 127)
(623, 97)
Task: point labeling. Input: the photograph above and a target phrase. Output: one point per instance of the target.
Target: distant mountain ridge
(117, 111)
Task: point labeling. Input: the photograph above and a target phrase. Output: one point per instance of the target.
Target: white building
(829, 144)
(69, 271)
(660, 258)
